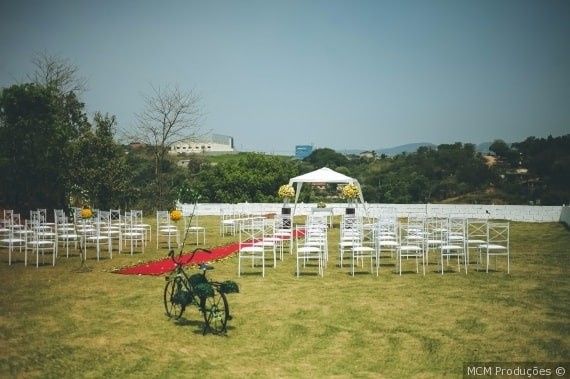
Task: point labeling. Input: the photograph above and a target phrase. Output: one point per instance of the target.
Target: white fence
(526, 213)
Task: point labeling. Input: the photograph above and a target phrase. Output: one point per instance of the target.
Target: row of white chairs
(312, 243)
(416, 238)
(260, 237)
(233, 217)
(169, 234)
(373, 239)
(104, 231)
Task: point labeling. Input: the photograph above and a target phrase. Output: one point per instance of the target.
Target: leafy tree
(37, 126)
(548, 164)
(326, 157)
(430, 174)
(100, 172)
(251, 177)
(503, 151)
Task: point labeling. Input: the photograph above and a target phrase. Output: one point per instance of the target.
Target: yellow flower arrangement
(86, 213)
(286, 191)
(350, 191)
(176, 215)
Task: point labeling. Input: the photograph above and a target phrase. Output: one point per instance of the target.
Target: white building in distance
(212, 143)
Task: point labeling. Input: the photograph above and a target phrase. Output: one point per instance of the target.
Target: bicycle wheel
(216, 312)
(172, 295)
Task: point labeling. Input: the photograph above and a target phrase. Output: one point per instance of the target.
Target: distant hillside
(483, 147)
(408, 148)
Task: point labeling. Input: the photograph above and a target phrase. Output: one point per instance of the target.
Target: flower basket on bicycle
(182, 290)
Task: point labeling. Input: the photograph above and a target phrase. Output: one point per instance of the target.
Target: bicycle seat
(204, 266)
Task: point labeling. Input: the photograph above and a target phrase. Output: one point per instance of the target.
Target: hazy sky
(339, 74)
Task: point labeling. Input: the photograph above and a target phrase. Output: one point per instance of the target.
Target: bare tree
(170, 115)
(54, 71)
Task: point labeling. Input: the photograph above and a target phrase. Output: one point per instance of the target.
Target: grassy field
(57, 322)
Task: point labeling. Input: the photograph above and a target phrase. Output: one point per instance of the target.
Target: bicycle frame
(209, 296)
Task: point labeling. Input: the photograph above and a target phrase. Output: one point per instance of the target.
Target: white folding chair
(192, 226)
(386, 238)
(411, 244)
(476, 235)
(310, 247)
(363, 247)
(454, 244)
(133, 232)
(65, 231)
(498, 243)
(250, 234)
(228, 222)
(100, 236)
(12, 240)
(166, 231)
(40, 240)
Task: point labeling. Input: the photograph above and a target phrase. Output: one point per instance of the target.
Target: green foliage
(251, 177)
(186, 194)
(430, 175)
(182, 297)
(204, 290)
(100, 170)
(326, 157)
(196, 279)
(548, 162)
(37, 128)
(229, 286)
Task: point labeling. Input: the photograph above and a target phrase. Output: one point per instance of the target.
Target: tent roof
(322, 175)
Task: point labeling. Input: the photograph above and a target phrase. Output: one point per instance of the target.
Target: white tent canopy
(323, 175)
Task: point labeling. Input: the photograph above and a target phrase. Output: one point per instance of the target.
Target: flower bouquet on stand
(286, 192)
(350, 192)
(85, 214)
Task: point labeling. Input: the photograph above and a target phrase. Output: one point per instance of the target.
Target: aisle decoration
(86, 213)
(176, 215)
(350, 192)
(286, 192)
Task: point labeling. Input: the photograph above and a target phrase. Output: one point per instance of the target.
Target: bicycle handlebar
(203, 266)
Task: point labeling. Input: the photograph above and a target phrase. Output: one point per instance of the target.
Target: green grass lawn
(57, 322)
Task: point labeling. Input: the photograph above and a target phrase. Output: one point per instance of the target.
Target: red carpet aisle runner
(165, 265)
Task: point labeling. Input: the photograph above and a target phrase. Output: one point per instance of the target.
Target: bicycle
(209, 296)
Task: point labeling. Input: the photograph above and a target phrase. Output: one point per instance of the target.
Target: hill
(407, 148)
